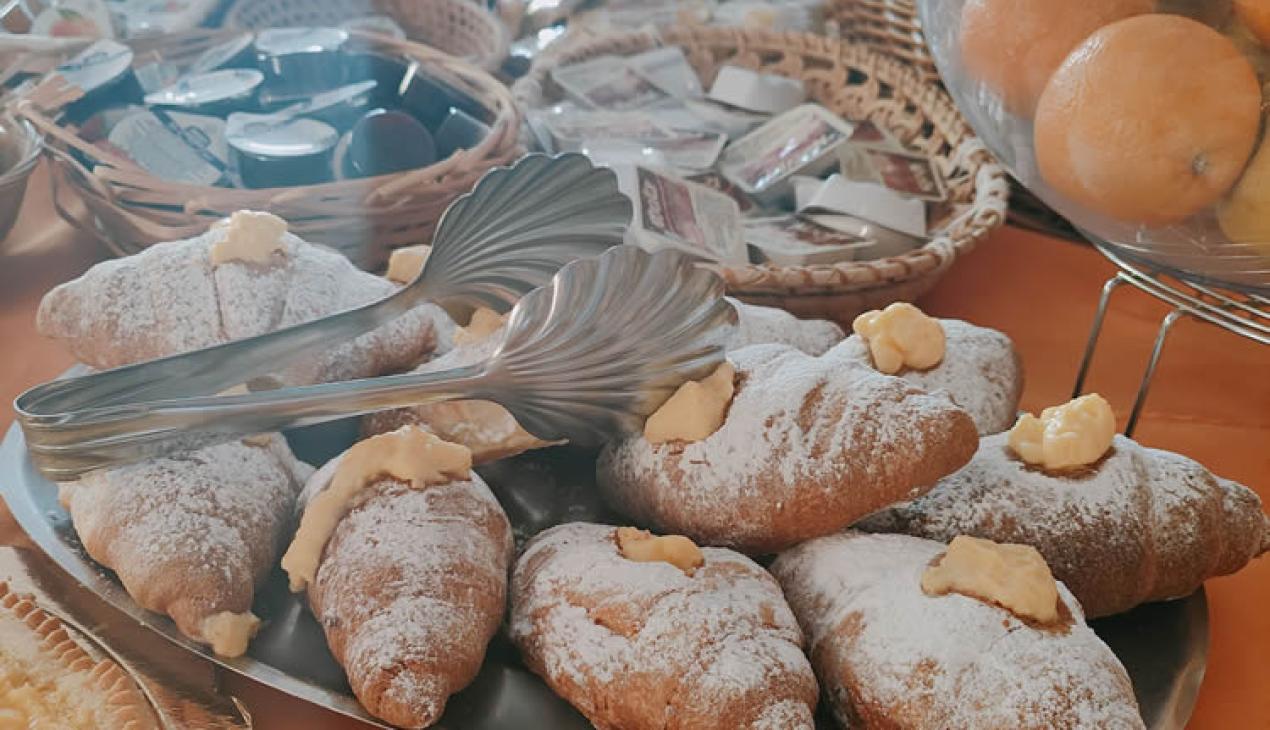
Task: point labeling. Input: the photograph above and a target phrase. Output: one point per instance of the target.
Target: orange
(1012, 46)
(1148, 121)
(1256, 15)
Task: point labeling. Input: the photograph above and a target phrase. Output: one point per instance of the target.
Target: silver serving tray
(1164, 646)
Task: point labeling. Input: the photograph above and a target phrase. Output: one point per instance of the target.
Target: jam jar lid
(208, 88)
(97, 65)
(271, 135)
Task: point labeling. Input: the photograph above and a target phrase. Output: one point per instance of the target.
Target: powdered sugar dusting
(771, 326)
(644, 644)
(189, 535)
(809, 446)
(411, 588)
(914, 660)
(1140, 525)
(980, 370)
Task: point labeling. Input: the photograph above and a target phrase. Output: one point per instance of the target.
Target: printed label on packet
(687, 216)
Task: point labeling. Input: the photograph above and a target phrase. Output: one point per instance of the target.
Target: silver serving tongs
(506, 237)
(589, 355)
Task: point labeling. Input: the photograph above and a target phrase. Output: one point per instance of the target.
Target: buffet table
(1210, 400)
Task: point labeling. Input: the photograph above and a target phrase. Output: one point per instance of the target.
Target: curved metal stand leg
(1165, 327)
(1095, 330)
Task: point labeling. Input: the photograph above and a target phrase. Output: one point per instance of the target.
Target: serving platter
(1163, 646)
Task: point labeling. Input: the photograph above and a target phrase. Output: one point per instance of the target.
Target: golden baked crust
(1140, 525)
(981, 371)
(644, 645)
(41, 665)
(890, 656)
(190, 535)
(170, 299)
(809, 446)
(411, 588)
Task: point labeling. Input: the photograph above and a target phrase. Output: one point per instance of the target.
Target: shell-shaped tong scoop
(586, 357)
(506, 237)
(606, 344)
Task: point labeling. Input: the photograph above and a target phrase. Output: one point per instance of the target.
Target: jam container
(104, 71)
(384, 142)
(173, 145)
(385, 70)
(301, 60)
(266, 150)
(236, 52)
(459, 131)
(429, 98)
(340, 108)
(214, 92)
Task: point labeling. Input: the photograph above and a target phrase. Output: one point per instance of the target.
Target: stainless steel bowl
(19, 152)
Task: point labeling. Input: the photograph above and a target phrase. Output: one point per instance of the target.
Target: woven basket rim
(991, 185)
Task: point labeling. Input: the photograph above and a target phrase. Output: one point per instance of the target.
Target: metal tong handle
(64, 445)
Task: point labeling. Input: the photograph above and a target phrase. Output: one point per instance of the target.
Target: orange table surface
(1211, 401)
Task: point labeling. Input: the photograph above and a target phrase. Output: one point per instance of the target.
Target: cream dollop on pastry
(901, 336)
(1074, 434)
(1014, 577)
(696, 409)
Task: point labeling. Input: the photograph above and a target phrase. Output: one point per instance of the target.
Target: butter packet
(671, 212)
(607, 82)
(866, 201)
(802, 141)
(668, 70)
(792, 241)
(566, 129)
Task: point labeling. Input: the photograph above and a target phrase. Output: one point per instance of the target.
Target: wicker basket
(856, 83)
(127, 208)
(889, 26)
(461, 28)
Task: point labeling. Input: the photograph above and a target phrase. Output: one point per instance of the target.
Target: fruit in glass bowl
(1141, 121)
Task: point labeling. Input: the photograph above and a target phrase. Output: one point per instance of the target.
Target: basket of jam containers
(812, 173)
(359, 141)
(461, 28)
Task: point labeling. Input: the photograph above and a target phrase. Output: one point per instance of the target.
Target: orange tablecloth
(1211, 400)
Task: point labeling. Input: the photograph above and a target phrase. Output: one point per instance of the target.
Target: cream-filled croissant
(793, 447)
(1137, 525)
(912, 633)
(244, 277)
(641, 632)
(404, 555)
(193, 534)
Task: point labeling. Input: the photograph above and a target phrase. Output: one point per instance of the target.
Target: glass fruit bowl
(1140, 121)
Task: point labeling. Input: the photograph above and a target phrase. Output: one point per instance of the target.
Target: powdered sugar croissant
(644, 645)
(808, 446)
(179, 296)
(192, 535)
(890, 656)
(411, 587)
(1140, 525)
